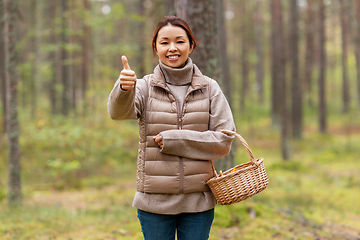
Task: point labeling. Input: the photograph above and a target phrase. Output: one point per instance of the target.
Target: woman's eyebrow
(176, 37)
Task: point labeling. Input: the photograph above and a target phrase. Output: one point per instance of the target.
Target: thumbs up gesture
(127, 76)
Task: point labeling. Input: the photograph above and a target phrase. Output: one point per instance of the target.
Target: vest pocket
(161, 184)
(196, 183)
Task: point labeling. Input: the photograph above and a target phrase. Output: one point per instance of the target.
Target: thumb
(125, 62)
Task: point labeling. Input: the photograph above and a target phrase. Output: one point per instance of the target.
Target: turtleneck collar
(178, 76)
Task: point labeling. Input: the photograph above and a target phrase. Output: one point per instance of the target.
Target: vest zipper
(180, 115)
(181, 160)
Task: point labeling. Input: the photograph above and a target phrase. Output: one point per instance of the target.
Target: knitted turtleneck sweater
(178, 76)
(178, 80)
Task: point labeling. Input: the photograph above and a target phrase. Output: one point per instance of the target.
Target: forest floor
(106, 213)
(313, 195)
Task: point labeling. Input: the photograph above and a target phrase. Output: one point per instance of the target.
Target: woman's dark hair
(174, 21)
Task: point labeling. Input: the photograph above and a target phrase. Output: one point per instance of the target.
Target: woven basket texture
(240, 182)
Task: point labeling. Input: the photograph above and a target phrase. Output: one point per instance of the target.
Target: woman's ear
(191, 47)
(154, 48)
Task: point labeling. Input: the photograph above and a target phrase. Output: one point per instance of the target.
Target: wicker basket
(240, 182)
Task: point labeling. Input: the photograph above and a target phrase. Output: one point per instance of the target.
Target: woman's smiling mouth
(173, 57)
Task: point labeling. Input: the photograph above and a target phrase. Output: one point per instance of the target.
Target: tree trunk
(2, 70)
(275, 111)
(64, 58)
(140, 60)
(296, 86)
(228, 161)
(206, 55)
(344, 44)
(170, 7)
(280, 81)
(205, 30)
(357, 47)
(244, 57)
(309, 51)
(322, 62)
(75, 68)
(85, 70)
(181, 8)
(259, 46)
(222, 42)
(34, 56)
(52, 58)
(72, 55)
(11, 95)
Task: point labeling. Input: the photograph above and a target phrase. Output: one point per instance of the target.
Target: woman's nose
(172, 47)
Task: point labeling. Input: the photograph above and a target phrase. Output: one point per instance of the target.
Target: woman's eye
(181, 42)
(163, 43)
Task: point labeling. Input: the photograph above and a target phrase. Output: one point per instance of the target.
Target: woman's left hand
(158, 139)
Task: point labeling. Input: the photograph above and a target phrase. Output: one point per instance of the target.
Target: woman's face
(173, 46)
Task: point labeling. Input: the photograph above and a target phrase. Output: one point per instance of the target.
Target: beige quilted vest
(163, 173)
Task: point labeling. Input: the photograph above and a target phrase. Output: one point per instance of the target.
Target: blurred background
(289, 69)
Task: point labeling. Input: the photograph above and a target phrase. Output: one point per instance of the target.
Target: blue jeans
(189, 226)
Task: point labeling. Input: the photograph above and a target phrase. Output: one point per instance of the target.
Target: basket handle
(246, 145)
(213, 168)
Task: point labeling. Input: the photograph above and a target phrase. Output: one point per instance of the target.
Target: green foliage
(93, 162)
(107, 22)
(2, 191)
(67, 152)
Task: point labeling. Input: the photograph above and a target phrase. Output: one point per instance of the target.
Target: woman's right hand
(127, 76)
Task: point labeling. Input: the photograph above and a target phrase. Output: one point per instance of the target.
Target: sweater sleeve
(127, 104)
(208, 145)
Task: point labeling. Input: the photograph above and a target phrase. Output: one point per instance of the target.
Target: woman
(181, 113)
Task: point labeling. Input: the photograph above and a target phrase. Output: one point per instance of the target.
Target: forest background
(290, 70)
